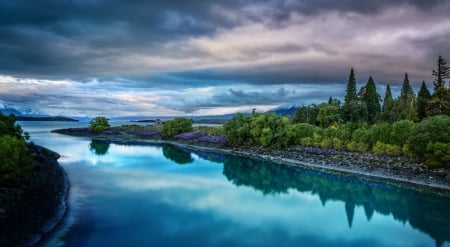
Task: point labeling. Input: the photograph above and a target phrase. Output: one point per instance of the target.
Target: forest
(413, 125)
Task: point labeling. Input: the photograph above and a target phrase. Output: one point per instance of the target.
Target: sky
(209, 57)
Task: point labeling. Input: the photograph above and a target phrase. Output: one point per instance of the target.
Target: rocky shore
(29, 212)
(389, 169)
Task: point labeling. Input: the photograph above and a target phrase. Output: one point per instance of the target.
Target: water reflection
(177, 155)
(427, 212)
(99, 147)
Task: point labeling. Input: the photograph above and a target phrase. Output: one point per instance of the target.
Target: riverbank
(30, 212)
(397, 170)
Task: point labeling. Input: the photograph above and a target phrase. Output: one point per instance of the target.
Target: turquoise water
(166, 196)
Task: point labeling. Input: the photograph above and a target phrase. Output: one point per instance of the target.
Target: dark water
(166, 196)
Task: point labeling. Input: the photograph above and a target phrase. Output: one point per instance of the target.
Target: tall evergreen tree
(350, 99)
(388, 110)
(422, 98)
(406, 104)
(440, 99)
(407, 91)
(442, 72)
(372, 100)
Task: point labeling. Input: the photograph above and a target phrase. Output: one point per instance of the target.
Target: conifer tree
(422, 98)
(406, 103)
(372, 100)
(351, 98)
(388, 109)
(442, 72)
(440, 99)
(407, 91)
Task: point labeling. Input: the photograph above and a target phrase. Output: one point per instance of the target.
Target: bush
(99, 124)
(15, 160)
(177, 126)
(380, 133)
(431, 130)
(401, 131)
(438, 154)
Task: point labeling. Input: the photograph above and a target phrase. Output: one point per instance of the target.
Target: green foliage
(15, 157)
(296, 132)
(99, 147)
(355, 146)
(328, 115)
(8, 126)
(431, 130)
(422, 98)
(177, 126)
(370, 96)
(380, 132)
(15, 160)
(269, 129)
(177, 155)
(382, 148)
(350, 99)
(440, 99)
(442, 72)
(99, 124)
(361, 135)
(406, 103)
(307, 114)
(237, 130)
(401, 131)
(389, 111)
(438, 154)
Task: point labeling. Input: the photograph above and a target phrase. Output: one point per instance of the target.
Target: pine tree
(440, 100)
(442, 72)
(388, 109)
(351, 98)
(407, 91)
(422, 98)
(406, 103)
(372, 100)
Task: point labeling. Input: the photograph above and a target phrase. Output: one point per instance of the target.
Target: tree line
(412, 125)
(15, 155)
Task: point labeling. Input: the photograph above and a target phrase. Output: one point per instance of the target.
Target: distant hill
(286, 111)
(61, 119)
(8, 111)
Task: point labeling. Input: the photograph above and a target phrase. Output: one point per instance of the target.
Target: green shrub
(326, 143)
(380, 133)
(99, 124)
(438, 154)
(355, 146)
(177, 126)
(401, 131)
(430, 130)
(15, 160)
(393, 150)
(361, 135)
(379, 148)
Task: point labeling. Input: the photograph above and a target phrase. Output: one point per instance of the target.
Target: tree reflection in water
(99, 147)
(177, 155)
(425, 211)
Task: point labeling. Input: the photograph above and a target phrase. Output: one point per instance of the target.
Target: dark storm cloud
(272, 97)
(190, 55)
(75, 39)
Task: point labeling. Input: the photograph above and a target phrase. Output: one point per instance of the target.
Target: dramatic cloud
(177, 57)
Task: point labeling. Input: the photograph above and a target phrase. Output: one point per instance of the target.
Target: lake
(166, 196)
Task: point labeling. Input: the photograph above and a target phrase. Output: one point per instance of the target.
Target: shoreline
(32, 212)
(387, 169)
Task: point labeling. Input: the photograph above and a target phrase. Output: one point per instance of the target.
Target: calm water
(165, 196)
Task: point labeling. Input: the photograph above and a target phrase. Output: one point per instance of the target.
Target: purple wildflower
(188, 136)
(213, 139)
